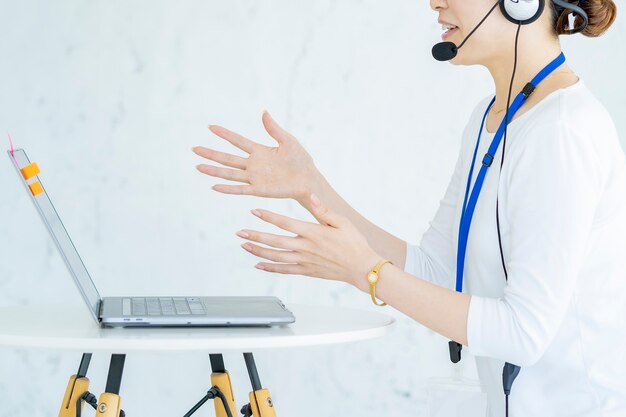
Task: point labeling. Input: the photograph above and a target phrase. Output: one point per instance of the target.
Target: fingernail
(241, 233)
(256, 212)
(315, 200)
(246, 246)
(259, 266)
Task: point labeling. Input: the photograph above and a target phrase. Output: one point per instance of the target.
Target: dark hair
(601, 14)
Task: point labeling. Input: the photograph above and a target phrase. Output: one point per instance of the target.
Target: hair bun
(601, 14)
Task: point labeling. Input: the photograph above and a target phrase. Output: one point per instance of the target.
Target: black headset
(520, 12)
(524, 12)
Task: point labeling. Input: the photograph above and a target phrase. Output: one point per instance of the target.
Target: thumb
(325, 215)
(275, 131)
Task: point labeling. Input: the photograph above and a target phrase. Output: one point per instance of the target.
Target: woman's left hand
(333, 249)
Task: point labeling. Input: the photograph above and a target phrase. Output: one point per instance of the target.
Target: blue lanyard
(468, 208)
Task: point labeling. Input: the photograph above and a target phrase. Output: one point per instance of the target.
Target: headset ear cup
(522, 12)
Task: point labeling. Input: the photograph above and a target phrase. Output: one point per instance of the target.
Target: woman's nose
(438, 4)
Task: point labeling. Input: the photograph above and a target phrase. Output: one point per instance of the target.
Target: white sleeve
(552, 187)
(434, 259)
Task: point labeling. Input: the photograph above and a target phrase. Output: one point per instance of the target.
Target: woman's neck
(529, 62)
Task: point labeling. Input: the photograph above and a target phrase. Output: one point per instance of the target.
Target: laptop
(131, 311)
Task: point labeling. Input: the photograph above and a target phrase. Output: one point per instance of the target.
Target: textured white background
(109, 97)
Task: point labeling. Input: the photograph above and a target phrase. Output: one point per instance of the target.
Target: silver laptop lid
(59, 235)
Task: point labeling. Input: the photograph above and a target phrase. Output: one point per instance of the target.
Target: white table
(72, 328)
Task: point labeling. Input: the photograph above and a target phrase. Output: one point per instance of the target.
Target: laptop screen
(59, 235)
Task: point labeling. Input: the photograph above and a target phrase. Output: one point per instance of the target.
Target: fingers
(234, 189)
(236, 139)
(225, 159)
(292, 269)
(225, 173)
(274, 129)
(298, 227)
(284, 256)
(277, 241)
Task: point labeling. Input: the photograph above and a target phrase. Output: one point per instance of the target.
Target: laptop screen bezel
(92, 304)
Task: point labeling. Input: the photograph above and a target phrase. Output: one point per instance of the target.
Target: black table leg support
(84, 365)
(252, 371)
(217, 362)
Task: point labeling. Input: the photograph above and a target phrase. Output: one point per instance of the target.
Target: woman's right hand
(286, 171)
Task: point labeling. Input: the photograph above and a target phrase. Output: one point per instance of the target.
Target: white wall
(109, 96)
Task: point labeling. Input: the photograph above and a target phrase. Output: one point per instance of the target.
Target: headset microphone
(445, 51)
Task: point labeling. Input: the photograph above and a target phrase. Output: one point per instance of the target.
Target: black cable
(506, 400)
(246, 410)
(210, 395)
(506, 123)
(224, 401)
(89, 398)
(478, 25)
(198, 405)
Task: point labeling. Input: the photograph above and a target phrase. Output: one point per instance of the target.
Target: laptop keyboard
(162, 306)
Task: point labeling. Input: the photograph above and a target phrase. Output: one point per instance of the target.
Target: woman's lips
(448, 33)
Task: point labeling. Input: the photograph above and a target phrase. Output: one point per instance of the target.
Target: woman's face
(486, 43)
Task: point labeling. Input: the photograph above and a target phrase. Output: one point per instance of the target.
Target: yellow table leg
(261, 403)
(76, 387)
(109, 405)
(222, 381)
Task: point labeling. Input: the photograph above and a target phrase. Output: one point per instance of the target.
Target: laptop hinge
(100, 303)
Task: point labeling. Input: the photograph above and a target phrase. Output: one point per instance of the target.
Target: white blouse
(562, 207)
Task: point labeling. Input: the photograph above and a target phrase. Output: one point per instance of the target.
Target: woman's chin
(460, 59)
(455, 60)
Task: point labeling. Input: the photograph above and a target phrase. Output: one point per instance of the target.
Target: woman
(552, 300)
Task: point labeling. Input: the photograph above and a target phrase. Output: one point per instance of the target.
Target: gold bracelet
(372, 278)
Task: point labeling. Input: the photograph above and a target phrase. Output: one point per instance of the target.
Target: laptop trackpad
(241, 307)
